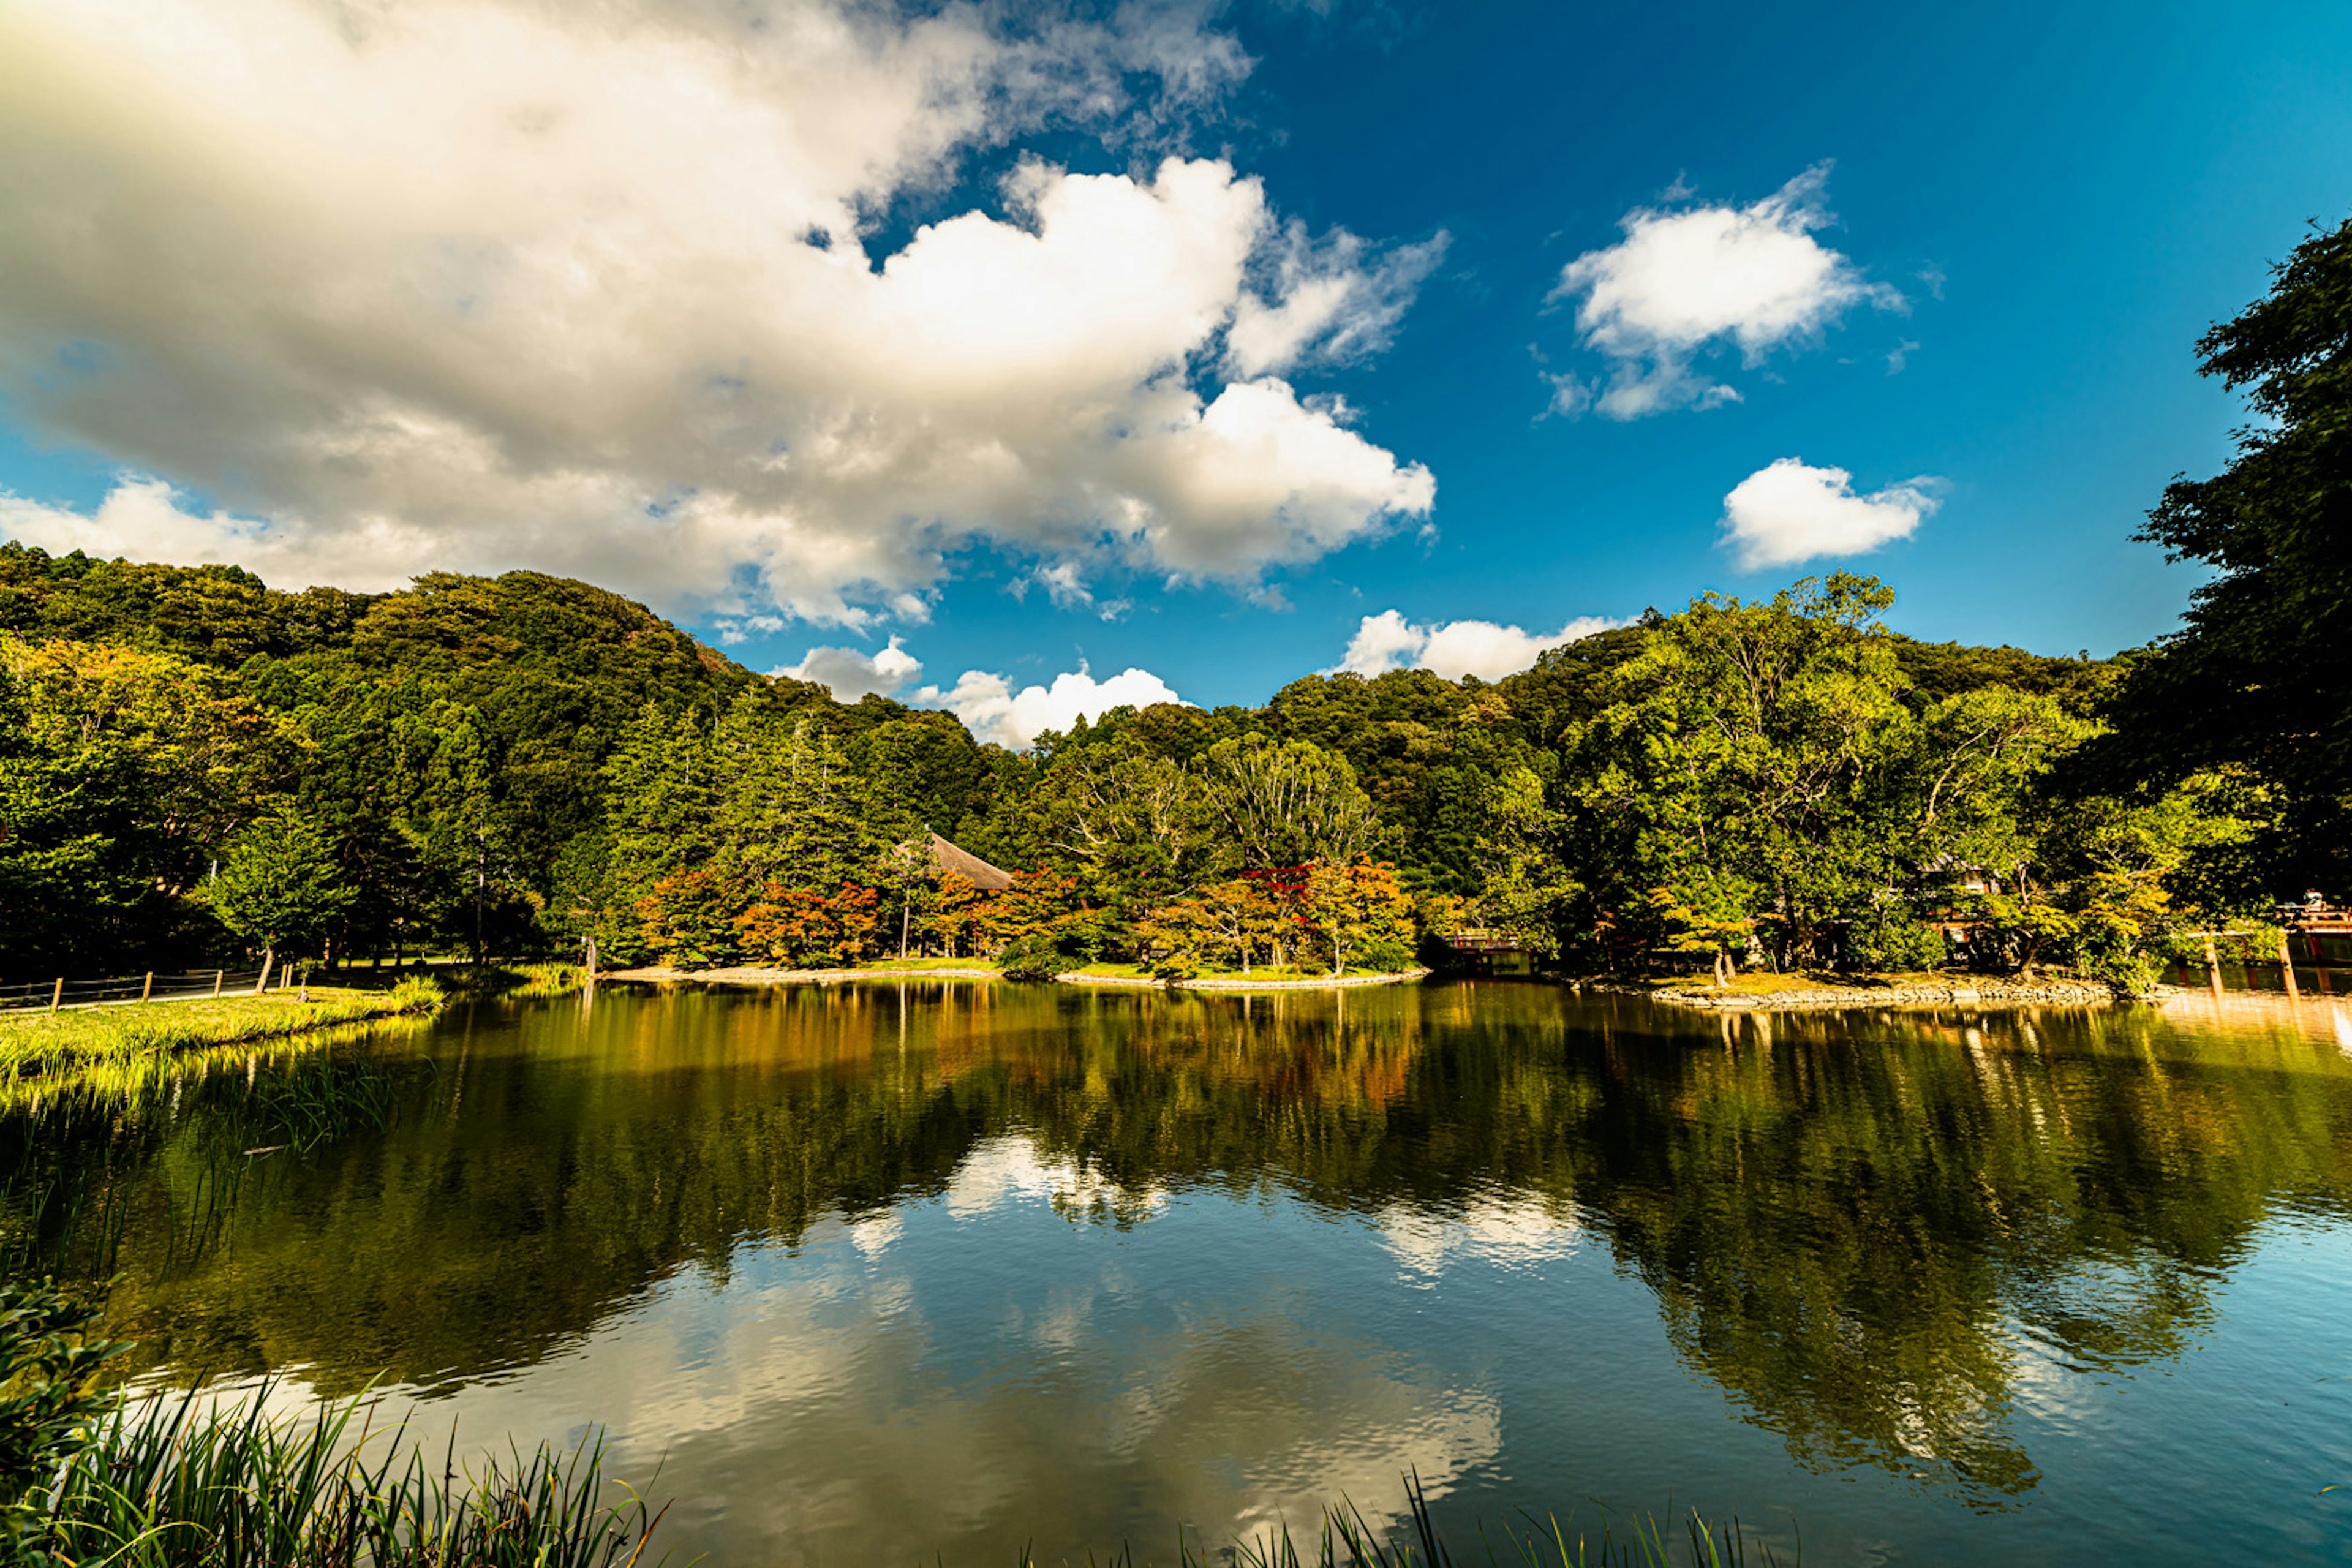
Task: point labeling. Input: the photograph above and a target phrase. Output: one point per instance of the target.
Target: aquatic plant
(181, 1482)
(143, 1481)
(1345, 1539)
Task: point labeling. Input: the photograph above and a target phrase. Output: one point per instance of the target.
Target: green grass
(48, 1043)
(187, 1483)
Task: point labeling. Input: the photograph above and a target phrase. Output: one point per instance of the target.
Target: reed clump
(45, 1043)
(177, 1483)
(91, 1475)
(1345, 1539)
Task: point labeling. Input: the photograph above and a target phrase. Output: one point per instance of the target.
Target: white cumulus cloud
(994, 711)
(1456, 648)
(852, 672)
(1685, 277)
(1788, 511)
(485, 283)
(1331, 300)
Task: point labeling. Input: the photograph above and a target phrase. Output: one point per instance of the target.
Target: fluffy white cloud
(1454, 648)
(1685, 278)
(1788, 511)
(852, 672)
(480, 283)
(381, 553)
(1332, 301)
(995, 712)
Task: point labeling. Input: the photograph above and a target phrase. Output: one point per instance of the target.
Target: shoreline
(662, 974)
(55, 1046)
(1989, 995)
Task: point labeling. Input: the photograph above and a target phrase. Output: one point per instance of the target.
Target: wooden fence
(184, 985)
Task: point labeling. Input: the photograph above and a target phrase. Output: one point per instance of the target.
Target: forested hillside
(192, 765)
(196, 765)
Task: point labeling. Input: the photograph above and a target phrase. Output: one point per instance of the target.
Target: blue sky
(2026, 216)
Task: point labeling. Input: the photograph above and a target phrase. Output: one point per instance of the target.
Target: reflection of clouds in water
(872, 1233)
(2046, 1382)
(890, 1392)
(1001, 1171)
(1507, 1232)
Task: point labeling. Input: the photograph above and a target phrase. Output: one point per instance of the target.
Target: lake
(899, 1273)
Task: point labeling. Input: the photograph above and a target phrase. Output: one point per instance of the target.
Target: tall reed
(185, 1483)
(1347, 1540)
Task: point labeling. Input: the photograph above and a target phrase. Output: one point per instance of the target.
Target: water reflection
(938, 1251)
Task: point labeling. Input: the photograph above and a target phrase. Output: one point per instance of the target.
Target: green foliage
(517, 765)
(1885, 935)
(50, 1406)
(2259, 675)
(279, 888)
(173, 1483)
(1031, 958)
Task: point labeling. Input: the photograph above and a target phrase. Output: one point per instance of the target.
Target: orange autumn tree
(1036, 904)
(1352, 908)
(959, 915)
(687, 919)
(800, 928)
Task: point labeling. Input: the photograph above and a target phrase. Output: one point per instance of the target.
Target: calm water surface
(890, 1274)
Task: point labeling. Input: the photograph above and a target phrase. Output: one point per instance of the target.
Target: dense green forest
(193, 765)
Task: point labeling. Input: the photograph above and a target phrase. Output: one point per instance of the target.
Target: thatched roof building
(946, 857)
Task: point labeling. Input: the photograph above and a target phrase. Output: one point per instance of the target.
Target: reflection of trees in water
(1866, 1233)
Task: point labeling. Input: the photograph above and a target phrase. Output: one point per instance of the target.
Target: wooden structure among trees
(1492, 951)
(947, 857)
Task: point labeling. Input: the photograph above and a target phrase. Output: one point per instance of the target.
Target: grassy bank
(44, 1043)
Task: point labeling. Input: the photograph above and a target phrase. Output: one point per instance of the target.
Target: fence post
(2286, 967)
(2212, 966)
(148, 989)
(57, 992)
(219, 977)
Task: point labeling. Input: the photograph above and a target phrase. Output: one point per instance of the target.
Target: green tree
(1287, 802)
(1527, 891)
(1745, 762)
(2259, 675)
(1353, 908)
(279, 887)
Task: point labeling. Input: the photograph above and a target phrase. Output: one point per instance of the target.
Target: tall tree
(2261, 671)
(279, 887)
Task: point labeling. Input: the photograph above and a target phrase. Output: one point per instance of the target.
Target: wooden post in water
(2286, 967)
(57, 992)
(148, 989)
(2212, 967)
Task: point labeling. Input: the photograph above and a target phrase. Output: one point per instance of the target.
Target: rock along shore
(1978, 993)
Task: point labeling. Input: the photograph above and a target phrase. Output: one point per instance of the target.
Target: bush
(1031, 958)
(1388, 957)
(51, 1406)
(1887, 937)
(1177, 967)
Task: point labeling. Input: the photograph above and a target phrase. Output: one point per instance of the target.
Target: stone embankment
(663, 973)
(1987, 993)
